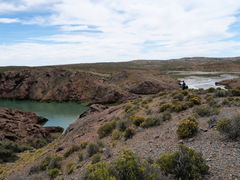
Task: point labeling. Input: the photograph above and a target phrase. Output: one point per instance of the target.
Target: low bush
(116, 134)
(166, 116)
(123, 124)
(184, 164)
(211, 90)
(187, 128)
(165, 107)
(138, 120)
(226, 102)
(50, 162)
(98, 171)
(38, 143)
(53, 173)
(83, 145)
(80, 156)
(71, 150)
(235, 92)
(230, 127)
(96, 158)
(128, 167)
(179, 107)
(195, 100)
(178, 96)
(220, 93)
(92, 149)
(8, 150)
(70, 168)
(128, 108)
(129, 132)
(152, 121)
(106, 129)
(206, 110)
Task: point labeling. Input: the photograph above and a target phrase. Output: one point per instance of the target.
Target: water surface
(58, 114)
(205, 80)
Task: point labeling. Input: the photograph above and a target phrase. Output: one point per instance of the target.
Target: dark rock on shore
(19, 126)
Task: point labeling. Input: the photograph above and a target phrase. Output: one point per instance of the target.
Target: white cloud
(8, 20)
(158, 29)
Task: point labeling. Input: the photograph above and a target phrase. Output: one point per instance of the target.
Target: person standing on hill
(183, 85)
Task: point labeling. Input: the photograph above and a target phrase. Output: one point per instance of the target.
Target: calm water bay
(58, 114)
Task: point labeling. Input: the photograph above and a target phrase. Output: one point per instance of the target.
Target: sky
(48, 32)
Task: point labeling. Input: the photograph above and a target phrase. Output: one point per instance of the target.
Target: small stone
(156, 137)
(204, 130)
(191, 140)
(180, 142)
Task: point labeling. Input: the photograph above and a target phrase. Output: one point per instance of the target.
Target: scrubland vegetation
(188, 108)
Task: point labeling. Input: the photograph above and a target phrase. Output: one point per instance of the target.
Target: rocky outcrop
(58, 85)
(19, 126)
(55, 84)
(231, 83)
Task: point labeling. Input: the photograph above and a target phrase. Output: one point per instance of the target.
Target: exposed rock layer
(17, 125)
(54, 84)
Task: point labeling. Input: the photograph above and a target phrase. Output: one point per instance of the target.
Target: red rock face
(57, 85)
(19, 126)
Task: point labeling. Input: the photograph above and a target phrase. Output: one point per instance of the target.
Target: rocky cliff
(19, 126)
(54, 84)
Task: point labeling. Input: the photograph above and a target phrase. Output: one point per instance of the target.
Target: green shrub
(53, 173)
(226, 102)
(71, 150)
(6, 155)
(129, 132)
(221, 93)
(195, 100)
(184, 164)
(116, 134)
(211, 90)
(106, 129)
(50, 162)
(152, 121)
(38, 143)
(206, 110)
(80, 156)
(70, 168)
(178, 96)
(235, 92)
(98, 171)
(123, 124)
(187, 128)
(165, 107)
(83, 145)
(96, 158)
(166, 116)
(92, 149)
(230, 127)
(128, 108)
(179, 107)
(138, 120)
(128, 167)
(162, 93)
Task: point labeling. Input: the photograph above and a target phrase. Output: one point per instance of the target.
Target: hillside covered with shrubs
(180, 134)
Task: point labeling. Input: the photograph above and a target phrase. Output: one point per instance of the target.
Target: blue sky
(36, 32)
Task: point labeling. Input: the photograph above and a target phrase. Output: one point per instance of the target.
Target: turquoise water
(58, 114)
